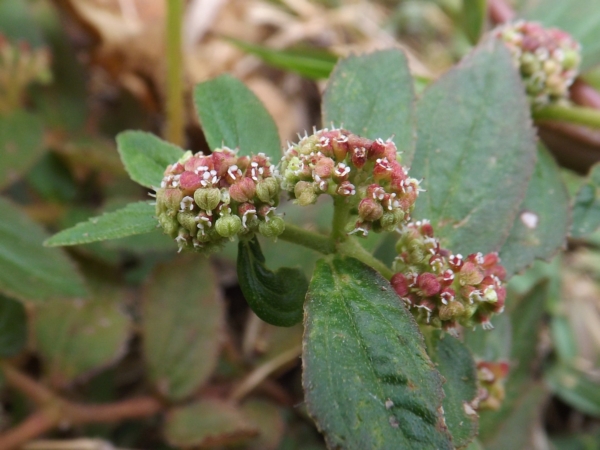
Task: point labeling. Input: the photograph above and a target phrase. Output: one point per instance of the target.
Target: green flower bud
(273, 228)
(207, 198)
(391, 219)
(571, 60)
(228, 226)
(451, 311)
(187, 219)
(305, 193)
(267, 189)
(170, 198)
(169, 224)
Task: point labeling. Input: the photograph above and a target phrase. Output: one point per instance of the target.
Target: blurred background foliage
(130, 320)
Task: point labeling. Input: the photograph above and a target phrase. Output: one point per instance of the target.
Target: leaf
(275, 297)
(182, 319)
(78, 338)
(372, 95)
(586, 205)
(580, 18)
(517, 430)
(146, 156)
(475, 151)
(28, 271)
(473, 18)
(367, 378)
(454, 361)
(21, 144)
(207, 424)
(309, 62)
(269, 420)
(135, 218)
(542, 222)
(232, 116)
(13, 327)
(17, 22)
(575, 387)
(491, 346)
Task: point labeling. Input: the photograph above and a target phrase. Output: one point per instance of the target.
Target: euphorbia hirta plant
(447, 183)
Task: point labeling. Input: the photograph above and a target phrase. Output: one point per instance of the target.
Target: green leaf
(275, 297)
(21, 144)
(542, 222)
(269, 420)
(135, 218)
(182, 320)
(580, 18)
(372, 95)
(586, 207)
(13, 327)
(491, 346)
(367, 378)
(232, 116)
(474, 13)
(78, 338)
(17, 22)
(454, 361)
(146, 156)
(207, 424)
(29, 271)
(516, 431)
(575, 387)
(475, 151)
(309, 62)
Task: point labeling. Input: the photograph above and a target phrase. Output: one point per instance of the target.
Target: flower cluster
(491, 377)
(443, 289)
(547, 58)
(364, 172)
(205, 200)
(20, 65)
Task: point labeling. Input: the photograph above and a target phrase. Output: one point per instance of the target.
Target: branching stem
(310, 239)
(573, 114)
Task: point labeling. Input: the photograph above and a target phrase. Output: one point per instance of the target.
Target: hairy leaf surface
(367, 377)
(475, 151)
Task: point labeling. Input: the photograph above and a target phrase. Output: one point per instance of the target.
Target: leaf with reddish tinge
(182, 322)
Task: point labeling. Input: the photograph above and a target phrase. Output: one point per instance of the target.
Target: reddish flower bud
(369, 210)
(243, 191)
(190, 181)
(428, 284)
(377, 150)
(400, 284)
(382, 170)
(346, 189)
(359, 157)
(324, 167)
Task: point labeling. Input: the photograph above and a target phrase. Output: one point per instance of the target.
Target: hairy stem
(341, 215)
(352, 247)
(573, 114)
(315, 241)
(175, 106)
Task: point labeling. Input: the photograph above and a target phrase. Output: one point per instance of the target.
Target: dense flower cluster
(365, 172)
(491, 377)
(19, 66)
(547, 58)
(443, 289)
(205, 200)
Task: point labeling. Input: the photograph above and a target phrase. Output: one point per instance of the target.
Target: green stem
(175, 106)
(574, 114)
(309, 239)
(341, 214)
(351, 247)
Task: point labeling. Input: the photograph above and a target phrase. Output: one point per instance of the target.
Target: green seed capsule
(228, 226)
(207, 198)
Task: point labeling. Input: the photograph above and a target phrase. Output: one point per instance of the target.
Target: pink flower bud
(324, 167)
(243, 191)
(359, 157)
(190, 181)
(382, 170)
(428, 284)
(400, 284)
(346, 189)
(377, 150)
(369, 210)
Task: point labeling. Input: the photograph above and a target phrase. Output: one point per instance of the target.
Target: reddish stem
(585, 95)
(35, 425)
